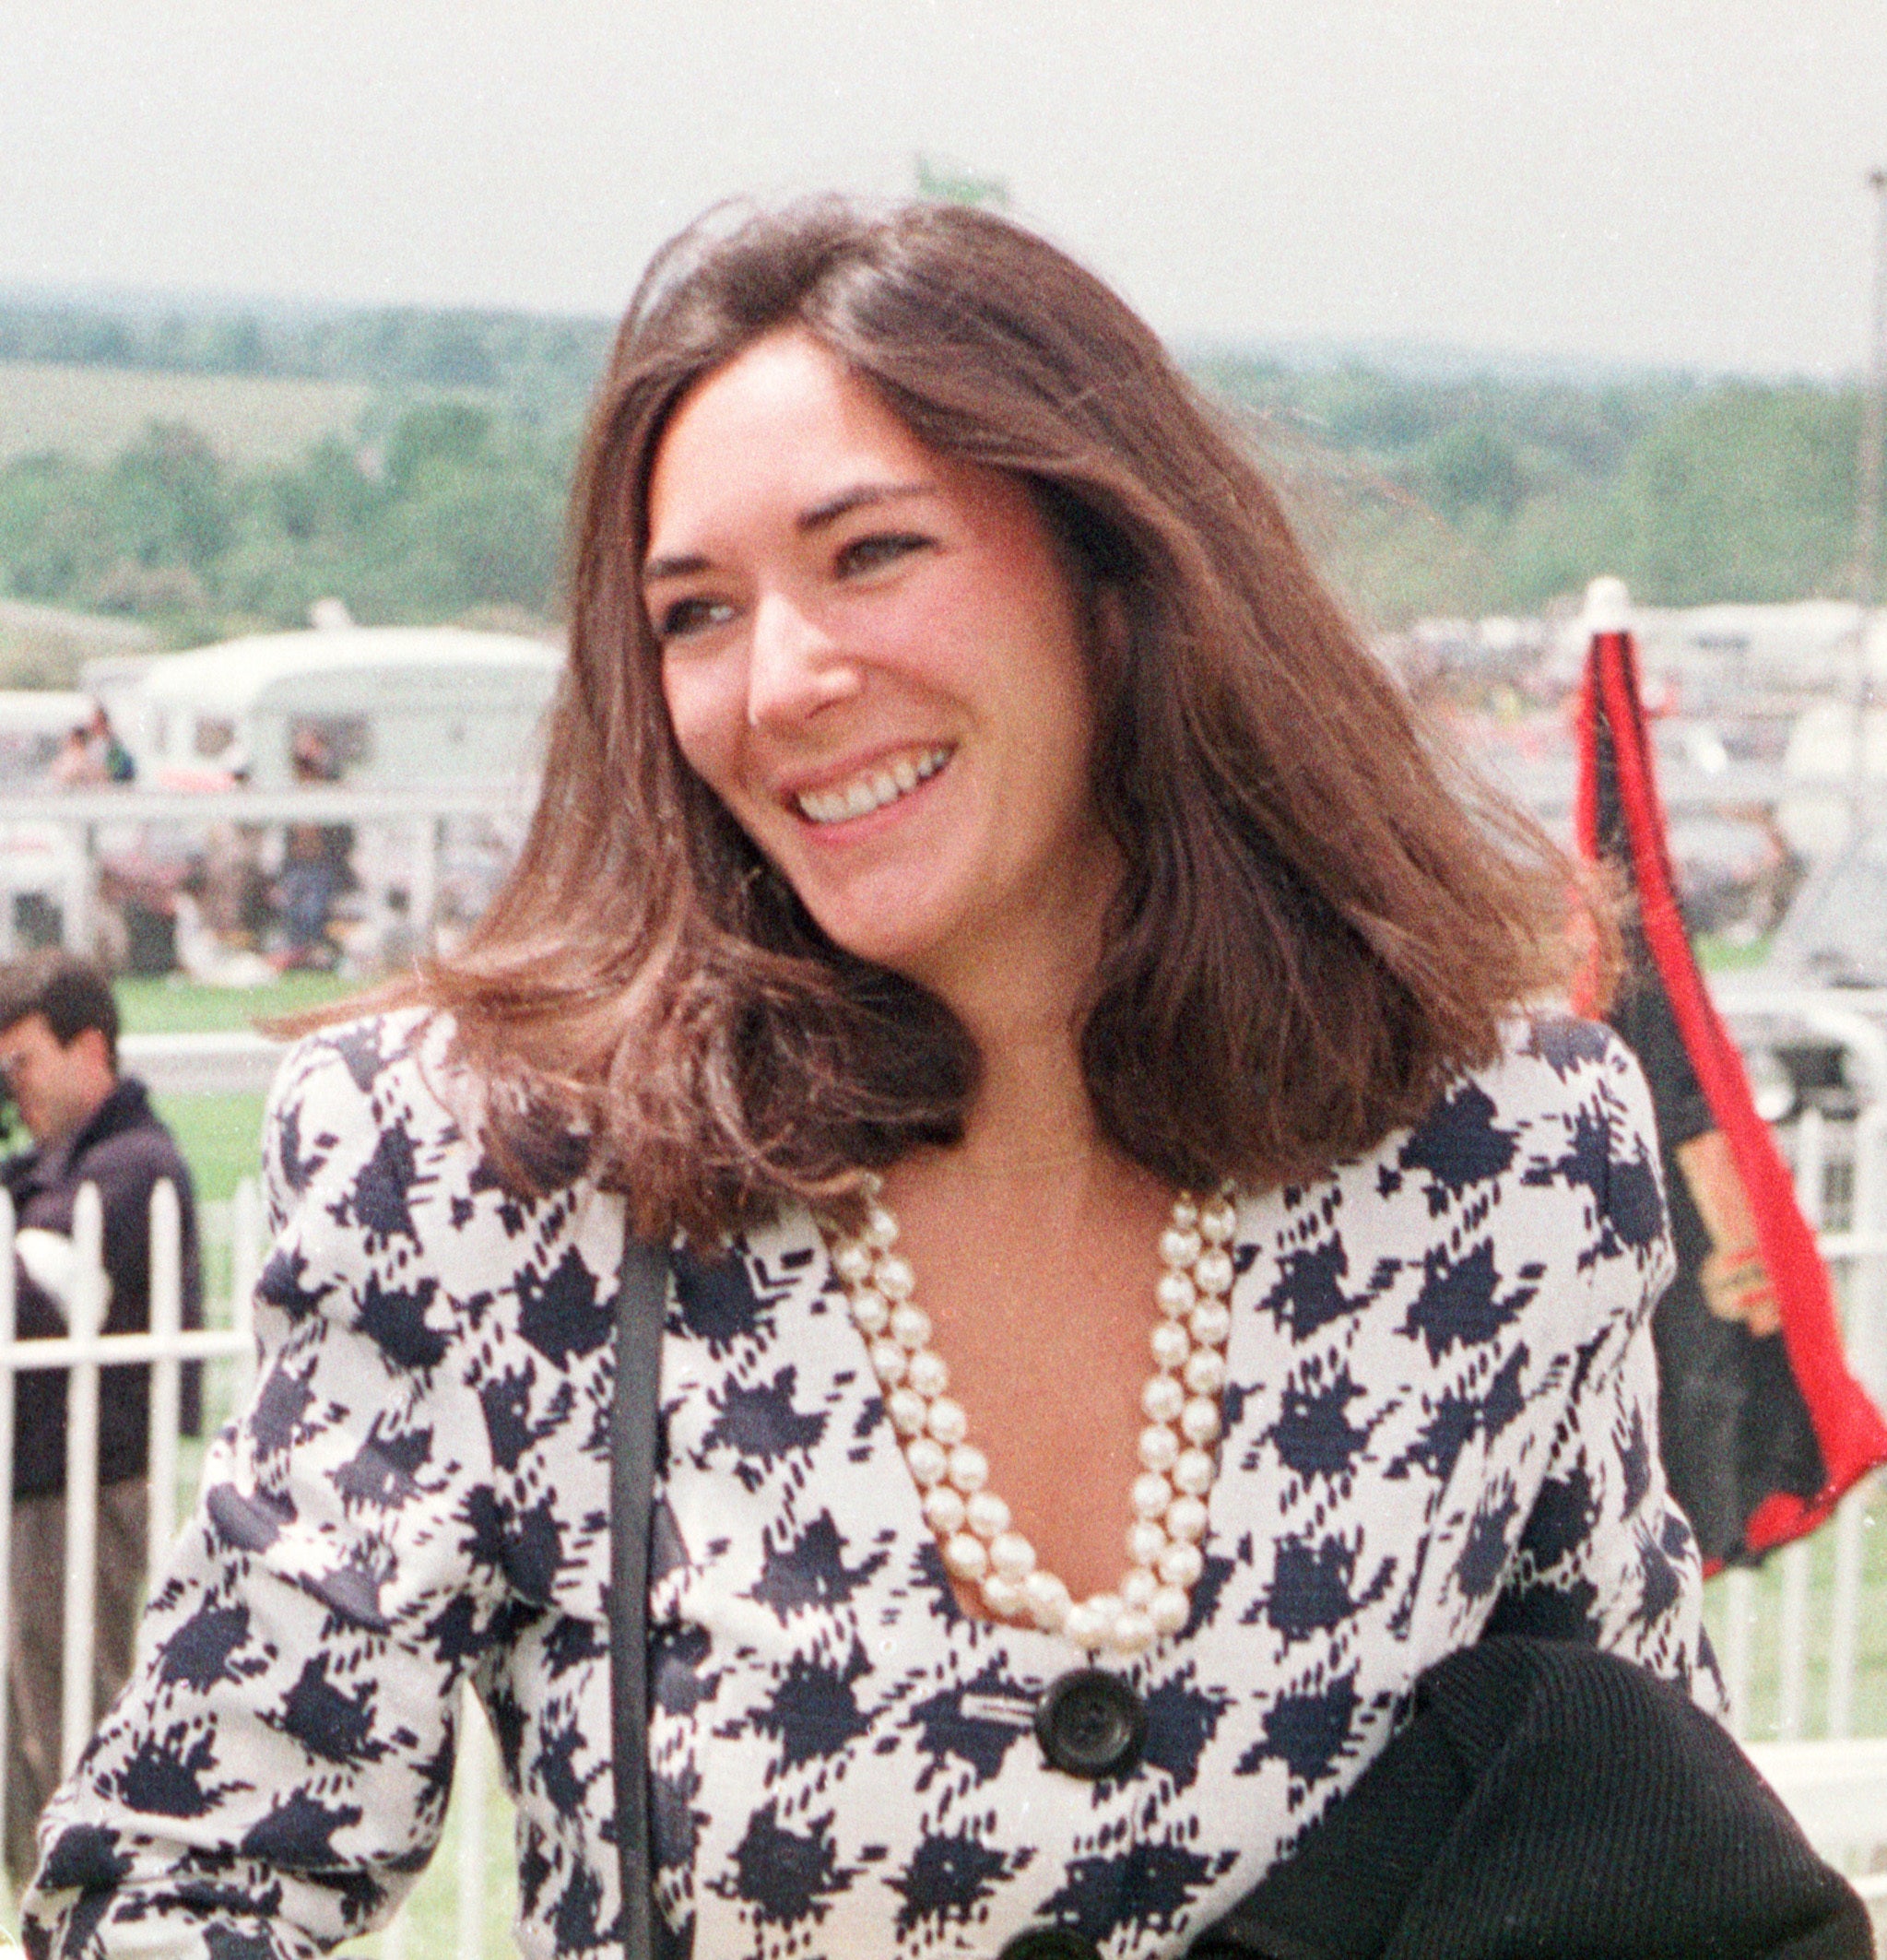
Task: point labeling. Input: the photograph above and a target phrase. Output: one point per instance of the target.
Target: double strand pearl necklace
(1181, 1403)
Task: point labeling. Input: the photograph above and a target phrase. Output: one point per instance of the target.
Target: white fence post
(166, 1372)
(8, 1310)
(87, 1318)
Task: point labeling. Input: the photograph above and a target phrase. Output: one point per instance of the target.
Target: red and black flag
(1763, 1428)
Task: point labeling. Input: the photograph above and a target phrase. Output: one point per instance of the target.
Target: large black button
(1050, 1942)
(1091, 1724)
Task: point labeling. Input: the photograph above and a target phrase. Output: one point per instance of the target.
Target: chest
(827, 1711)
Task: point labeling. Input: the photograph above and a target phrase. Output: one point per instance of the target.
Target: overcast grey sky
(1651, 183)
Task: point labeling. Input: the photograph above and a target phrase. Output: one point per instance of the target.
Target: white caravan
(391, 706)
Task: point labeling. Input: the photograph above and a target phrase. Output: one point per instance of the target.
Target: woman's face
(874, 655)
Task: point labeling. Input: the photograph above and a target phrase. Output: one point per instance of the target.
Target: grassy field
(92, 413)
(217, 1134)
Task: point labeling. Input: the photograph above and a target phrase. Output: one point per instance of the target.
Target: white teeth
(871, 790)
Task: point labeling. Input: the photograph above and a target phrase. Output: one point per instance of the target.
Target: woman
(987, 903)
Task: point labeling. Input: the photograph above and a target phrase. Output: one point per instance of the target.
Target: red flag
(1762, 1426)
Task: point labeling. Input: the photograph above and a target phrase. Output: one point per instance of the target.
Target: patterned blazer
(1441, 1418)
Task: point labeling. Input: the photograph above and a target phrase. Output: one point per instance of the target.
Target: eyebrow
(858, 496)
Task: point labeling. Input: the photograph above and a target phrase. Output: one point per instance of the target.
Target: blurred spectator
(316, 865)
(90, 1124)
(94, 754)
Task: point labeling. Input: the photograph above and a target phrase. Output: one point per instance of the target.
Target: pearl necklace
(1180, 1401)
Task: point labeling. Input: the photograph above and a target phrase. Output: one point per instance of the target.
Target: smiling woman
(1140, 1290)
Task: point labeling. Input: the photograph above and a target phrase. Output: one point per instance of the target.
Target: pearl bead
(965, 1555)
(871, 1312)
(908, 1410)
(989, 1514)
(948, 1422)
(1012, 1555)
(1048, 1600)
(928, 1373)
(1172, 1343)
(1004, 1596)
(1137, 1588)
(943, 1510)
(1169, 1610)
(1176, 1294)
(1132, 1632)
(1159, 1447)
(1146, 1541)
(1162, 1399)
(979, 1543)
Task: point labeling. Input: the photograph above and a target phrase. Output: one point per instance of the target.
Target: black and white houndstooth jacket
(1441, 1419)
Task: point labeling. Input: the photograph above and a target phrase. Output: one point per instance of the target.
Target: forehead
(783, 419)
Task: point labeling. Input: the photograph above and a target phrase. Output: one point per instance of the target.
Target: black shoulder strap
(641, 1307)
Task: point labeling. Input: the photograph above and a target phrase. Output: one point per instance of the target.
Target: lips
(871, 788)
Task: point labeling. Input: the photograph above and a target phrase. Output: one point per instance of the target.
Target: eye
(879, 549)
(693, 615)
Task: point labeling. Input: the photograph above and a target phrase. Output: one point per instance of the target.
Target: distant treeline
(1419, 495)
(543, 365)
(1498, 496)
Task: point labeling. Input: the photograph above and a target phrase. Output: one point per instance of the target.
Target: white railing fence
(1804, 1621)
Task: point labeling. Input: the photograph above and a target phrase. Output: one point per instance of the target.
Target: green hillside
(206, 475)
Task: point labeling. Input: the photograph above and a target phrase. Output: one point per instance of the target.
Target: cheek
(706, 717)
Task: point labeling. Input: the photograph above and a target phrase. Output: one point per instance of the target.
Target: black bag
(1544, 1799)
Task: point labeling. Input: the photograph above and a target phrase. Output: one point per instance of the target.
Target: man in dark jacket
(90, 1124)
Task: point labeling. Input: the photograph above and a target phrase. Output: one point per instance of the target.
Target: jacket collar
(127, 1106)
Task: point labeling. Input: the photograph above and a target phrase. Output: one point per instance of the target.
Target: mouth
(871, 788)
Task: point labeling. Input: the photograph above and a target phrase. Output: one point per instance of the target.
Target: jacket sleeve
(1607, 1557)
(276, 1772)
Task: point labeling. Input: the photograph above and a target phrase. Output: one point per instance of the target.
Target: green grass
(92, 413)
(219, 1135)
(1869, 1707)
(174, 1004)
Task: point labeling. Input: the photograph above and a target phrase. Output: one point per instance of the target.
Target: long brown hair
(1316, 927)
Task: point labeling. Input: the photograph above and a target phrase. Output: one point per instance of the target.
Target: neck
(1032, 1111)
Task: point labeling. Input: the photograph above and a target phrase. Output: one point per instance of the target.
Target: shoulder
(357, 1090)
(131, 1145)
(1568, 1088)
(378, 1172)
(1557, 1130)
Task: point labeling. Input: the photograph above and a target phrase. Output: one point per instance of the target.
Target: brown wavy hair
(1317, 924)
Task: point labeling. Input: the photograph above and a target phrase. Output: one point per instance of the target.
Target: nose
(795, 668)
